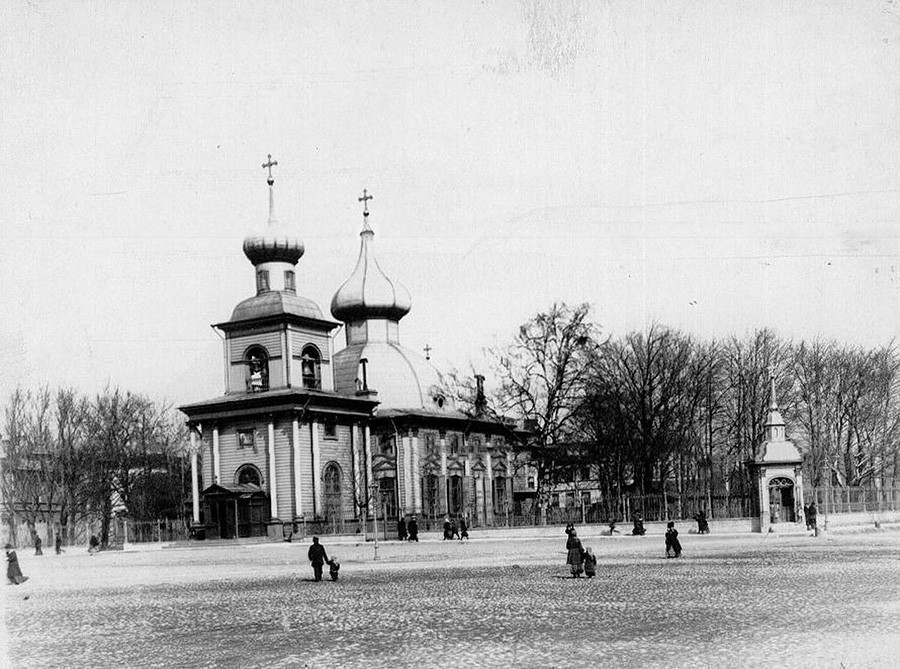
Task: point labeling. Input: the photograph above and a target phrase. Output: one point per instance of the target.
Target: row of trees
(661, 410)
(68, 458)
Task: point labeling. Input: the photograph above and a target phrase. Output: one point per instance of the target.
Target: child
(590, 563)
(333, 567)
(673, 546)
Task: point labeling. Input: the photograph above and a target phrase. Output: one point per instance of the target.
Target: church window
(330, 426)
(248, 474)
(431, 488)
(499, 495)
(289, 281)
(430, 444)
(387, 444)
(311, 368)
(262, 280)
(475, 444)
(257, 360)
(455, 495)
(332, 489)
(454, 444)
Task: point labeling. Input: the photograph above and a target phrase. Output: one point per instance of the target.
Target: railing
(833, 499)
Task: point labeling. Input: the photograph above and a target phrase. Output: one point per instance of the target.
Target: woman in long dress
(13, 572)
(575, 555)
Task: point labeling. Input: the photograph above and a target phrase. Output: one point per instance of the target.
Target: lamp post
(374, 497)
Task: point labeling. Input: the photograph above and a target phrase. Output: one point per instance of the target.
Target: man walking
(317, 557)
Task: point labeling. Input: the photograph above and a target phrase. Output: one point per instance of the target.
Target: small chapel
(328, 440)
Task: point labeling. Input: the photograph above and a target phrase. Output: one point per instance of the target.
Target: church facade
(302, 435)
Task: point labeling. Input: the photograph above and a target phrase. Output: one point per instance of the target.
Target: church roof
(276, 303)
(276, 242)
(369, 293)
(402, 378)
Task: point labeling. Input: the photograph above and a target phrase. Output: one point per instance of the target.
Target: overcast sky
(714, 166)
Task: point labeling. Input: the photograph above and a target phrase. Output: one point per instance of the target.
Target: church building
(302, 435)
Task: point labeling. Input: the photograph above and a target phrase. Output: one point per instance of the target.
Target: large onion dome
(369, 293)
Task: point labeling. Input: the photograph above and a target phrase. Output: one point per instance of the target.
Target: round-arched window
(248, 474)
(311, 367)
(256, 358)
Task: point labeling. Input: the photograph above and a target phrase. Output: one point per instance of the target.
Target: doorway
(781, 500)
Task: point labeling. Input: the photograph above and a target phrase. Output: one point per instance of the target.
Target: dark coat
(401, 529)
(413, 528)
(576, 554)
(672, 542)
(13, 572)
(317, 555)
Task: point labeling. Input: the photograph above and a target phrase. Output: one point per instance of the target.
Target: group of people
(318, 558)
(408, 531)
(580, 559)
(452, 530)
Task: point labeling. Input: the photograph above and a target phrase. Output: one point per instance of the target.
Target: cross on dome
(269, 164)
(365, 200)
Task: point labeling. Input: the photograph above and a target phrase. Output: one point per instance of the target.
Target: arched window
(248, 474)
(311, 368)
(257, 360)
(332, 488)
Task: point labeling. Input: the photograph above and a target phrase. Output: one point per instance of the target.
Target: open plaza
(502, 599)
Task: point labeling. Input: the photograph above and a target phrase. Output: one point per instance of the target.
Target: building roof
(280, 400)
(276, 303)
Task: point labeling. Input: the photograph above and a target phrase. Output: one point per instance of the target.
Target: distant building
(302, 435)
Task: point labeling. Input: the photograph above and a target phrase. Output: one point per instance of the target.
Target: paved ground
(745, 600)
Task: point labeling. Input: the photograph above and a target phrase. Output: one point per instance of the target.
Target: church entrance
(781, 500)
(236, 510)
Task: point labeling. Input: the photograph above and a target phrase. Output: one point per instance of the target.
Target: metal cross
(269, 165)
(365, 200)
(427, 350)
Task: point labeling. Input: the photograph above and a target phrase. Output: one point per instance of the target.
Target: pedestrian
(569, 529)
(333, 568)
(413, 529)
(401, 529)
(58, 543)
(806, 514)
(702, 524)
(447, 534)
(13, 572)
(463, 529)
(37, 544)
(317, 558)
(638, 529)
(454, 529)
(93, 544)
(590, 563)
(673, 546)
(575, 554)
(811, 517)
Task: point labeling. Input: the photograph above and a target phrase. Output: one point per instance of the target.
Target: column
(298, 486)
(355, 468)
(195, 480)
(316, 457)
(408, 476)
(287, 356)
(415, 473)
(445, 501)
(273, 493)
(215, 448)
(488, 488)
(367, 454)
(468, 481)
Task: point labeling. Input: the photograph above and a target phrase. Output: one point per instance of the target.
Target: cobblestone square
(741, 600)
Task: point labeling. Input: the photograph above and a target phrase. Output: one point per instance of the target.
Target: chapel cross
(269, 165)
(427, 350)
(365, 200)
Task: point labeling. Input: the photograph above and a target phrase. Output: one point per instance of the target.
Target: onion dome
(369, 293)
(276, 243)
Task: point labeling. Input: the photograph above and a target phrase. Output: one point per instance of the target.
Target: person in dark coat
(454, 529)
(806, 514)
(13, 572)
(673, 546)
(463, 529)
(574, 554)
(811, 516)
(401, 529)
(413, 528)
(93, 544)
(590, 563)
(702, 524)
(333, 568)
(58, 543)
(317, 558)
(37, 545)
(638, 529)
(447, 534)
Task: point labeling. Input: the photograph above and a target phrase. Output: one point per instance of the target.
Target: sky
(711, 166)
